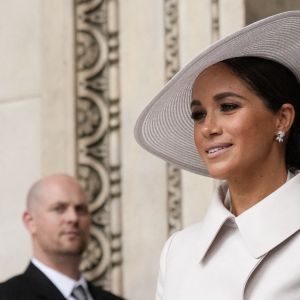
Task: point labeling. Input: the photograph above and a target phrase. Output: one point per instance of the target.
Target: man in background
(58, 221)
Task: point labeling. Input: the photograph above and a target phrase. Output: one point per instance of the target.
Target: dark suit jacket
(34, 285)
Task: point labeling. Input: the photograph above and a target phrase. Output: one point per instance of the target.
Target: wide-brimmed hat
(165, 127)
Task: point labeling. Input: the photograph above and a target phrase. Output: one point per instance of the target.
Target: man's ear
(286, 116)
(29, 222)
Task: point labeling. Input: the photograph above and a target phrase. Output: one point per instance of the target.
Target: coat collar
(263, 226)
(272, 220)
(63, 283)
(43, 287)
(216, 216)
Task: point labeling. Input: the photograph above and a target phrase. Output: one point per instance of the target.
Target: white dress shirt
(64, 283)
(254, 256)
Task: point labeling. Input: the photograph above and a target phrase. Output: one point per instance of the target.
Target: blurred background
(74, 76)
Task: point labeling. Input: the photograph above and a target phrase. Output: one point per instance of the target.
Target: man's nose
(72, 214)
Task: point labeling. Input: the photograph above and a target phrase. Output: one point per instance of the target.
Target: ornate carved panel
(215, 23)
(174, 193)
(98, 135)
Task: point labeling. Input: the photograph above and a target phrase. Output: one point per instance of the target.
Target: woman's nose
(211, 126)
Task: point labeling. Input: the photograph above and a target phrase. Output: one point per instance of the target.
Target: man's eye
(59, 209)
(82, 209)
(225, 107)
(198, 115)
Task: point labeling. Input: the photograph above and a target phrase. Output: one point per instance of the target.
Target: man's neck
(65, 264)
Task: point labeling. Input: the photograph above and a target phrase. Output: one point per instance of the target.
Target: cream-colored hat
(165, 127)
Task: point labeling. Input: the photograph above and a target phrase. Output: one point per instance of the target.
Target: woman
(243, 95)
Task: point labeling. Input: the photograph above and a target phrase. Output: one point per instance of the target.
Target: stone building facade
(74, 76)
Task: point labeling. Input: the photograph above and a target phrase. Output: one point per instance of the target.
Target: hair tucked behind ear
(276, 85)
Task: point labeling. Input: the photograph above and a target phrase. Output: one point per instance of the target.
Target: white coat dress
(255, 256)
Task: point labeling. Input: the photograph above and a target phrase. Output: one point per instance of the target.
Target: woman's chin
(217, 173)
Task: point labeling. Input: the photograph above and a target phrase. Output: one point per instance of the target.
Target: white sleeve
(163, 269)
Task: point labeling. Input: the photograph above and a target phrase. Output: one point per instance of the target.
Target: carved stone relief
(215, 23)
(98, 131)
(174, 192)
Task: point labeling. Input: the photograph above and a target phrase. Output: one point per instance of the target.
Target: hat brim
(165, 127)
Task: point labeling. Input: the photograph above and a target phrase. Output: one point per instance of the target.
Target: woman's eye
(225, 107)
(198, 115)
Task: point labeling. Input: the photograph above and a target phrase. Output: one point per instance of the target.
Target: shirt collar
(64, 283)
(263, 226)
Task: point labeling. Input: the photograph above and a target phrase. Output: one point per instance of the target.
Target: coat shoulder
(188, 235)
(99, 293)
(13, 288)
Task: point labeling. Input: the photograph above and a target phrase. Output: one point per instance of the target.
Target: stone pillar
(20, 104)
(58, 121)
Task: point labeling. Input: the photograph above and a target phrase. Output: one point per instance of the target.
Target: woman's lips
(216, 150)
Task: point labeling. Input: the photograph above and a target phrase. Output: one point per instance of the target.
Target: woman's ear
(286, 116)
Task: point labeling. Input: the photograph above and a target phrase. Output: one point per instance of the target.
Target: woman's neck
(246, 192)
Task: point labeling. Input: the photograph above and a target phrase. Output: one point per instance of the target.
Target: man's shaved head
(40, 188)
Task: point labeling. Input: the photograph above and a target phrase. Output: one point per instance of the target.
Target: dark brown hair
(275, 84)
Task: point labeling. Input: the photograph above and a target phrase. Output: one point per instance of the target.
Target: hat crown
(165, 128)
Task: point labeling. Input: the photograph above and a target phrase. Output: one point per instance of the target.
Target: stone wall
(20, 131)
(75, 75)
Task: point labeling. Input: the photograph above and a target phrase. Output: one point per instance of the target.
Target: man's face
(60, 220)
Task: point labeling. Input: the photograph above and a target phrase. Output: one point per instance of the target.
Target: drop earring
(280, 136)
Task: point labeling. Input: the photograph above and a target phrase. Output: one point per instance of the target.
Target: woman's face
(234, 131)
